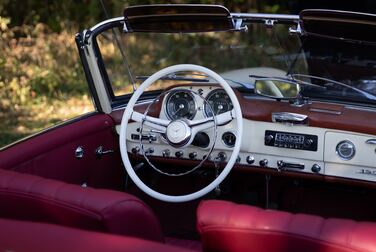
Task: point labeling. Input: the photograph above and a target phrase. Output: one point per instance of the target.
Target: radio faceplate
(290, 140)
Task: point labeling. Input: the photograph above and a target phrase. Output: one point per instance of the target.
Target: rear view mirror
(277, 88)
(176, 18)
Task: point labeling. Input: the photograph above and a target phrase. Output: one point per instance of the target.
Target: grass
(39, 116)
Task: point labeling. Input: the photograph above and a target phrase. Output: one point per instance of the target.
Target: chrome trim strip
(263, 16)
(108, 21)
(327, 111)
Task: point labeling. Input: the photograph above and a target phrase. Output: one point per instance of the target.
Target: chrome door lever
(99, 152)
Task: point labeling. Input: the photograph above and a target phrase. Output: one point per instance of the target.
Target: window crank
(99, 152)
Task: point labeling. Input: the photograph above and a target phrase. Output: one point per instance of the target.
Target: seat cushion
(25, 236)
(29, 197)
(226, 226)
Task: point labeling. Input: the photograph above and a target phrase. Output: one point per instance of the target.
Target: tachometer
(219, 101)
(180, 104)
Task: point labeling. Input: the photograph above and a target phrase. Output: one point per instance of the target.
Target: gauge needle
(181, 106)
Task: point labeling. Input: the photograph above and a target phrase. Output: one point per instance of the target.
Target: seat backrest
(225, 226)
(29, 197)
(22, 236)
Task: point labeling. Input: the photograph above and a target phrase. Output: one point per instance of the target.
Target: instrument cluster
(185, 103)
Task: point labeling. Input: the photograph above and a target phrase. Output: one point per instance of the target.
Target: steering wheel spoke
(158, 124)
(207, 123)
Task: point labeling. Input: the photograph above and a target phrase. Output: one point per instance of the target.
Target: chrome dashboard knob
(179, 154)
(250, 159)
(192, 155)
(316, 168)
(166, 153)
(135, 150)
(263, 162)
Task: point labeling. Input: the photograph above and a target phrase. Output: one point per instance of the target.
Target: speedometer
(219, 101)
(180, 104)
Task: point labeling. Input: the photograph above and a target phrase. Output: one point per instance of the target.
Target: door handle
(99, 152)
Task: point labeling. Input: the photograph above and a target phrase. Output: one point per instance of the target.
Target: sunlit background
(41, 78)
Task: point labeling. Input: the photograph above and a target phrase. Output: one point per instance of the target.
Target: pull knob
(250, 159)
(316, 168)
(222, 156)
(135, 150)
(166, 153)
(149, 151)
(238, 159)
(179, 154)
(192, 155)
(263, 162)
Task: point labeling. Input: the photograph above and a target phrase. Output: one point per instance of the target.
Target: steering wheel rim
(127, 116)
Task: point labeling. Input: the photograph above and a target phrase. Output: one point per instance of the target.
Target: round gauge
(345, 150)
(229, 139)
(219, 101)
(180, 104)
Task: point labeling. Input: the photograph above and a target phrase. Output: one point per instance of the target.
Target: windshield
(259, 50)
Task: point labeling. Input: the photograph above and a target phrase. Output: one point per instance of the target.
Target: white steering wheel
(189, 129)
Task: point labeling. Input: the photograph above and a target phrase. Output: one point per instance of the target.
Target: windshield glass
(259, 50)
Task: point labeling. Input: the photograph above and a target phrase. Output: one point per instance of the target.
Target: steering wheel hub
(178, 133)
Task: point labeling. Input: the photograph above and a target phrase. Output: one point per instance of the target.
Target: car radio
(290, 140)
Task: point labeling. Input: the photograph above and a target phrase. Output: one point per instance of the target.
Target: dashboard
(287, 142)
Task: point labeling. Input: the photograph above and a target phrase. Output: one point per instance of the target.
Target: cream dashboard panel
(361, 166)
(254, 152)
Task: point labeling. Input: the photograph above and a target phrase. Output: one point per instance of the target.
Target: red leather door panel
(52, 154)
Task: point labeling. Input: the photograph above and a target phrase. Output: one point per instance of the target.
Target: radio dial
(269, 138)
(308, 142)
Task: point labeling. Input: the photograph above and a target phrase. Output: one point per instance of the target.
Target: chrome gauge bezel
(223, 141)
(211, 93)
(340, 155)
(188, 92)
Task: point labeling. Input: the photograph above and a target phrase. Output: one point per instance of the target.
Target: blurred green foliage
(41, 78)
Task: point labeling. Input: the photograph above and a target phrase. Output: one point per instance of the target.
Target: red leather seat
(28, 197)
(225, 226)
(25, 236)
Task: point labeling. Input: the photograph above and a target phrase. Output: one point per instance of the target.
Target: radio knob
(316, 168)
(308, 142)
(250, 159)
(269, 138)
(263, 162)
(192, 155)
(179, 154)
